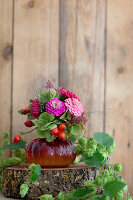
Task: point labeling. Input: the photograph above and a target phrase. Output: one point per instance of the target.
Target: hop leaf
(20, 145)
(76, 161)
(38, 169)
(104, 139)
(111, 189)
(111, 149)
(34, 177)
(24, 189)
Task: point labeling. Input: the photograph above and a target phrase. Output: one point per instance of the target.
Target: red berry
(62, 127)
(55, 131)
(29, 123)
(25, 111)
(17, 138)
(61, 136)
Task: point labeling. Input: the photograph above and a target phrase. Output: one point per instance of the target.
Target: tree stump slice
(51, 180)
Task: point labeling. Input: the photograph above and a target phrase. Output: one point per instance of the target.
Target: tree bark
(51, 181)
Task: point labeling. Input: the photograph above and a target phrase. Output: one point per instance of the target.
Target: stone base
(51, 180)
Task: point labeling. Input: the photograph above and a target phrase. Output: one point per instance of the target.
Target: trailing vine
(95, 151)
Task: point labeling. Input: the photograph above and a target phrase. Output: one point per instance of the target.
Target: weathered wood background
(83, 45)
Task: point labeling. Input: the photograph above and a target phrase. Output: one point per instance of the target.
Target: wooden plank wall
(6, 50)
(85, 46)
(119, 82)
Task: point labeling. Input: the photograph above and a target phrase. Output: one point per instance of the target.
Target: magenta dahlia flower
(35, 108)
(55, 107)
(74, 106)
(67, 93)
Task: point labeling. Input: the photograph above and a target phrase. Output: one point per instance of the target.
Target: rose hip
(17, 138)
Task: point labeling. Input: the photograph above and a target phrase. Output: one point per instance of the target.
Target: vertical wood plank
(6, 21)
(82, 55)
(36, 36)
(119, 82)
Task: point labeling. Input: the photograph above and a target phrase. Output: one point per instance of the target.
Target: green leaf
(20, 111)
(46, 118)
(38, 169)
(30, 117)
(24, 189)
(76, 130)
(81, 193)
(50, 137)
(34, 177)
(46, 197)
(38, 123)
(96, 160)
(48, 126)
(45, 134)
(32, 167)
(45, 97)
(104, 139)
(72, 139)
(42, 133)
(20, 145)
(84, 158)
(119, 178)
(112, 188)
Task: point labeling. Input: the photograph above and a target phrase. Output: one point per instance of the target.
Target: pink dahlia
(74, 106)
(55, 107)
(67, 93)
(35, 108)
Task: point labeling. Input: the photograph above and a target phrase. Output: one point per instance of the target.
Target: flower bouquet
(58, 117)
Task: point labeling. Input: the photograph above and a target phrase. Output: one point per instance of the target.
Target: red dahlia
(35, 108)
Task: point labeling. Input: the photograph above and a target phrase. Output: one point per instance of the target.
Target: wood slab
(51, 180)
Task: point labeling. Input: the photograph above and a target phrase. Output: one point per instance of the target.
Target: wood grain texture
(119, 82)
(82, 54)
(6, 49)
(36, 27)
